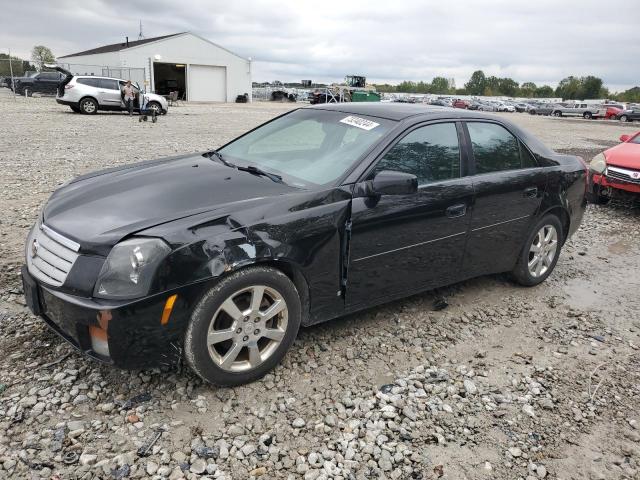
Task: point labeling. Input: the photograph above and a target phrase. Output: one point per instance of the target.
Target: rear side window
(92, 82)
(431, 153)
(496, 149)
(108, 84)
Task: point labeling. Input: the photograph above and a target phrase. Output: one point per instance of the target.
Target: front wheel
(624, 118)
(557, 114)
(540, 252)
(587, 115)
(155, 106)
(243, 326)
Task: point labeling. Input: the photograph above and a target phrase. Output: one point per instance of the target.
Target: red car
(612, 112)
(615, 173)
(460, 104)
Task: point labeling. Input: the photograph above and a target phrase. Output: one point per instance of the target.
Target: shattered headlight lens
(129, 268)
(599, 163)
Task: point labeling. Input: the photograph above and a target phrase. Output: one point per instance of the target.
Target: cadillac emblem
(34, 248)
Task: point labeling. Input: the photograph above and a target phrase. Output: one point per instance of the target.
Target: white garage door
(207, 83)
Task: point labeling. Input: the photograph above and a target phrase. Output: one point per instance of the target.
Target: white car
(503, 107)
(88, 94)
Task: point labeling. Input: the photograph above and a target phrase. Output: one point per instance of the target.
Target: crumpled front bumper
(126, 334)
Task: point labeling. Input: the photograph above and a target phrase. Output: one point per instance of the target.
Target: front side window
(308, 146)
(431, 153)
(496, 149)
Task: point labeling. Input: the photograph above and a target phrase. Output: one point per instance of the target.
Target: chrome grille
(50, 255)
(626, 175)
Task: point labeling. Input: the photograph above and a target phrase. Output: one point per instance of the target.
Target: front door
(402, 244)
(509, 186)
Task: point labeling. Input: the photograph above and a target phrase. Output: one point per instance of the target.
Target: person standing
(129, 94)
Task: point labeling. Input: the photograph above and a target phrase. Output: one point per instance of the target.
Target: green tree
(631, 95)
(590, 87)
(440, 85)
(569, 88)
(18, 64)
(41, 55)
(545, 91)
(528, 89)
(508, 87)
(476, 84)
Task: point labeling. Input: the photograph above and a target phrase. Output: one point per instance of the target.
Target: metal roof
(116, 47)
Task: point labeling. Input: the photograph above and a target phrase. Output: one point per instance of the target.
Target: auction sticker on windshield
(362, 123)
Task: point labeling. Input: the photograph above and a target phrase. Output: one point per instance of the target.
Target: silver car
(89, 93)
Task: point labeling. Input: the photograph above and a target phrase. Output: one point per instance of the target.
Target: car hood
(99, 209)
(625, 155)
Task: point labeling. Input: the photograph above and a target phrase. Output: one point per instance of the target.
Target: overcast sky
(387, 41)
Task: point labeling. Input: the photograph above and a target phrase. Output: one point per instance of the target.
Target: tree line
(570, 88)
(39, 56)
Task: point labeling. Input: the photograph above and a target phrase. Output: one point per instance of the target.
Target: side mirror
(624, 138)
(388, 182)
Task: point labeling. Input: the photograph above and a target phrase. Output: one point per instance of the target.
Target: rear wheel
(540, 252)
(557, 114)
(88, 106)
(243, 326)
(587, 115)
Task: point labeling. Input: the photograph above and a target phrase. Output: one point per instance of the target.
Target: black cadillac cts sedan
(219, 258)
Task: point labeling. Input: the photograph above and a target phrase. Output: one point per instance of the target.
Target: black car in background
(43, 82)
(629, 115)
(220, 257)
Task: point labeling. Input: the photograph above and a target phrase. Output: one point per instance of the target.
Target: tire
(75, 109)
(557, 114)
(88, 106)
(155, 106)
(587, 115)
(623, 118)
(227, 361)
(528, 274)
(532, 112)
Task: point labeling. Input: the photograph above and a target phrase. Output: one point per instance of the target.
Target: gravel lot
(504, 383)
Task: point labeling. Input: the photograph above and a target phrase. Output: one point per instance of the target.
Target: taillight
(67, 86)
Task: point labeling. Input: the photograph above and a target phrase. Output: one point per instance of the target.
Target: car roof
(96, 76)
(401, 111)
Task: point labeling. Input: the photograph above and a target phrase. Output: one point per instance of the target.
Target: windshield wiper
(218, 155)
(258, 171)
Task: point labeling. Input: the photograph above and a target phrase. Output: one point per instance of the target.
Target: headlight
(129, 268)
(599, 163)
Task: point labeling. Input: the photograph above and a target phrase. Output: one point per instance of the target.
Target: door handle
(458, 210)
(530, 192)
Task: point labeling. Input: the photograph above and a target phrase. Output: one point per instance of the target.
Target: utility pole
(13, 82)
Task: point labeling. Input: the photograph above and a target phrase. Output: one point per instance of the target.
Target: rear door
(508, 186)
(406, 243)
(109, 92)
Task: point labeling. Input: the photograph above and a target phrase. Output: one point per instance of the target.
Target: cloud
(541, 41)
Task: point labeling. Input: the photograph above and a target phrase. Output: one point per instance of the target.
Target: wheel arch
(563, 216)
(91, 97)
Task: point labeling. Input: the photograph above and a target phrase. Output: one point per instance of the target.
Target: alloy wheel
(542, 251)
(88, 106)
(247, 328)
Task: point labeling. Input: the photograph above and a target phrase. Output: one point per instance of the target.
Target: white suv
(88, 94)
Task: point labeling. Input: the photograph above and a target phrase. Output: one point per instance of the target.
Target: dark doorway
(170, 77)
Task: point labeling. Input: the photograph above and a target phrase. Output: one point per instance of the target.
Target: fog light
(99, 341)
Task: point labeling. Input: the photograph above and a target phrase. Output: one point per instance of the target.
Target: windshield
(308, 146)
(635, 139)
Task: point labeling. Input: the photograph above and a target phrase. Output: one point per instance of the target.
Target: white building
(198, 69)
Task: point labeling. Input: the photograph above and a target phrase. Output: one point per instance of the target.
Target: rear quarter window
(92, 82)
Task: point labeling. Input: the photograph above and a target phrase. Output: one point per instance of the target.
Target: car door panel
(407, 243)
(506, 199)
(109, 91)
